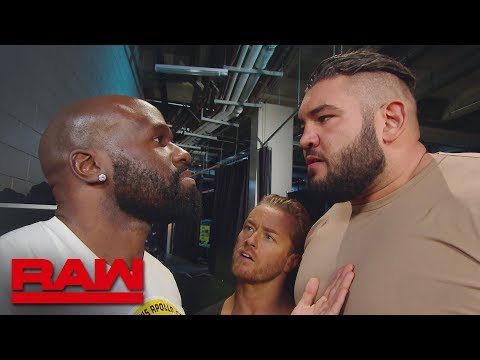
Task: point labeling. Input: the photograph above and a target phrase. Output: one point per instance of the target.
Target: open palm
(331, 302)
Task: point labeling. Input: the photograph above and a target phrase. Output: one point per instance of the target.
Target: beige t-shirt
(415, 251)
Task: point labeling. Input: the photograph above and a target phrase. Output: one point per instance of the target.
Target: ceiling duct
(241, 86)
(260, 64)
(231, 84)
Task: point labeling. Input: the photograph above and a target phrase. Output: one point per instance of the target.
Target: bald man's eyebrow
(160, 127)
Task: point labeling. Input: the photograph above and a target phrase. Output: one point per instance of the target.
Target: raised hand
(332, 299)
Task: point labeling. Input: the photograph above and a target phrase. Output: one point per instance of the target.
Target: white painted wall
(270, 118)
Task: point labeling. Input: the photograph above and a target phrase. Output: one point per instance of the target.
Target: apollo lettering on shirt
(72, 276)
(156, 307)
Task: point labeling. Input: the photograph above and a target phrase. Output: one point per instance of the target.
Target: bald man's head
(84, 125)
(127, 140)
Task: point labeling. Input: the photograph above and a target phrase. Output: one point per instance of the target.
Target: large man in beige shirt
(407, 219)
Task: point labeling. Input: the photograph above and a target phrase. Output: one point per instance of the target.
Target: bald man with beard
(113, 170)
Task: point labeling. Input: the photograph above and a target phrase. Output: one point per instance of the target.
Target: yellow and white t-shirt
(54, 241)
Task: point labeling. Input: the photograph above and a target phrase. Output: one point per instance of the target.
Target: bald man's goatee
(148, 195)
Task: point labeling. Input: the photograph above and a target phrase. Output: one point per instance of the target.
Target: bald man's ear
(85, 165)
(293, 262)
(394, 121)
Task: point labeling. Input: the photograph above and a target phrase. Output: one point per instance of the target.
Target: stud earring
(102, 177)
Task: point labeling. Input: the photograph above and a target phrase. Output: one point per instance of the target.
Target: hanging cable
(298, 85)
(236, 142)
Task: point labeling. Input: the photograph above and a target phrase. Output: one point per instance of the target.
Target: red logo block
(73, 273)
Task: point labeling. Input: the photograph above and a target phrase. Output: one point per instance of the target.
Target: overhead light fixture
(190, 70)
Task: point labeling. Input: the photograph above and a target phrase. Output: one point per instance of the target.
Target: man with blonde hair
(268, 249)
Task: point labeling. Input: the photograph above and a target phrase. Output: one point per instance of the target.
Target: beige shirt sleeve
(321, 249)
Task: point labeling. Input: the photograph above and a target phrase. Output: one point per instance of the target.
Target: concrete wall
(38, 80)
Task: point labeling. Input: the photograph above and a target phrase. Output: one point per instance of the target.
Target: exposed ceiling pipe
(249, 64)
(461, 111)
(231, 84)
(233, 80)
(238, 88)
(260, 64)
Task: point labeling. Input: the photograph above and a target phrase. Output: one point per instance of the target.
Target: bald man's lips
(186, 177)
(186, 173)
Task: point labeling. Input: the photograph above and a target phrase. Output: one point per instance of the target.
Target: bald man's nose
(181, 155)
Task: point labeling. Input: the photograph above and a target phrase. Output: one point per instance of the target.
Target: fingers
(332, 287)
(344, 271)
(337, 300)
(309, 293)
(332, 300)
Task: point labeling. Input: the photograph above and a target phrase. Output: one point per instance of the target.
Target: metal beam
(196, 135)
(253, 71)
(219, 122)
(168, 103)
(189, 147)
(190, 70)
(237, 103)
(461, 111)
(206, 147)
(28, 206)
(202, 153)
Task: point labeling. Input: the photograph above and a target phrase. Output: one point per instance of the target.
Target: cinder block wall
(36, 81)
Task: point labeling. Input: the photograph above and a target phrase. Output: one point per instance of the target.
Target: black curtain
(264, 172)
(230, 208)
(313, 201)
(185, 238)
(185, 235)
(156, 243)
